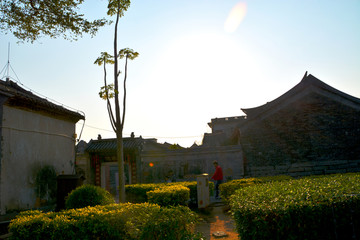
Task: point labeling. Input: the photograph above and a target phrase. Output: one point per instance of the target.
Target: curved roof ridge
(306, 82)
(329, 88)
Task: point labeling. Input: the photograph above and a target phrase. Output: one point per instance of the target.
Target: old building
(148, 161)
(222, 130)
(311, 129)
(34, 133)
(103, 161)
(103, 166)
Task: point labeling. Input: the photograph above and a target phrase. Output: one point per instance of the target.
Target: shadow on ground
(216, 222)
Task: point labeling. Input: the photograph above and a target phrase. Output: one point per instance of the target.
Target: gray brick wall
(313, 135)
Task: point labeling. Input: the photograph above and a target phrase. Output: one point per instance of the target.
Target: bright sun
(201, 58)
(195, 76)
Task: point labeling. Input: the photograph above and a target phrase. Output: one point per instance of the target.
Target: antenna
(7, 68)
(8, 64)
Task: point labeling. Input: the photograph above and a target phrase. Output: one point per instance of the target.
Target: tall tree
(29, 20)
(109, 91)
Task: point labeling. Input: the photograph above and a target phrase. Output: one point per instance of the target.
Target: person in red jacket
(217, 177)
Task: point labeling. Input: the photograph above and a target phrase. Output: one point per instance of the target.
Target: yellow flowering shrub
(171, 195)
(137, 192)
(115, 221)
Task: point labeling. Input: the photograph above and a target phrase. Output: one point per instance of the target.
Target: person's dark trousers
(217, 183)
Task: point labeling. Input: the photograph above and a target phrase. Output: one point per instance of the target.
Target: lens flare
(235, 17)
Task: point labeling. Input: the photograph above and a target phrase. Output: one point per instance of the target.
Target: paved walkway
(216, 222)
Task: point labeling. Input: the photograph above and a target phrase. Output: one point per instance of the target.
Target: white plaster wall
(29, 142)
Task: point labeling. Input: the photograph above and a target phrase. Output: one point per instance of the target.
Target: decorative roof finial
(305, 76)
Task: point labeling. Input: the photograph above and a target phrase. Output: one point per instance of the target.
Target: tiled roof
(109, 145)
(308, 82)
(20, 97)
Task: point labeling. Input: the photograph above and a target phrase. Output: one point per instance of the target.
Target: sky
(198, 60)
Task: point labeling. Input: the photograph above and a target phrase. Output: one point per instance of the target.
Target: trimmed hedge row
(137, 193)
(227, 189)
(116, 221)
(325, 207)
(171, 195)
(193, 189)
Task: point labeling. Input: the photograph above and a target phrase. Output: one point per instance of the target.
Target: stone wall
(313, 135)
(186, 164)
(307, 168)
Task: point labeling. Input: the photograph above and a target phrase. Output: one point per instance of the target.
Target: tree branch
(119, 125)
(110, 112)
(124, 99)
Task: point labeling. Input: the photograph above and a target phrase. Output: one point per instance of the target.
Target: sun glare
(197, 75)
(200, 63)
(235, 17)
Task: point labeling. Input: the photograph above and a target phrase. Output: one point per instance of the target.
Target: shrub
(45, 183)
(136, 193)
(88, 195)
(193, 189)
(115, 221)
(277, 178)
(171, 195)
(175, 218)
(299, 209)
(227, 189)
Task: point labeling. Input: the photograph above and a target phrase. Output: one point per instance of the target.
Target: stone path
(216, 222)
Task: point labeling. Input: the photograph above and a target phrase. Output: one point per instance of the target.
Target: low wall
(306, 168)
(186, 164)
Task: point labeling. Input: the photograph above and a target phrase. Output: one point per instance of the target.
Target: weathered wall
(83, 167)
(313, 135)
(30, 141)
(307, 168)
(186, 164)
(226, 125)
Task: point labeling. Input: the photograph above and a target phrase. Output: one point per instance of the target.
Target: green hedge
(193, 189)
(325, 207)
(136, 193)
(88, 195)
(171, 195)
(227, 189)
(116, 221)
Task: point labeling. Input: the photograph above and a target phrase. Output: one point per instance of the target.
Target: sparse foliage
(107, 91)
(45, 183)
(111, 91)
(29, 20)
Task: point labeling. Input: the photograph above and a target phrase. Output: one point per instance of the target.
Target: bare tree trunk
(117, 120)
(120, 157)
(119, 124)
